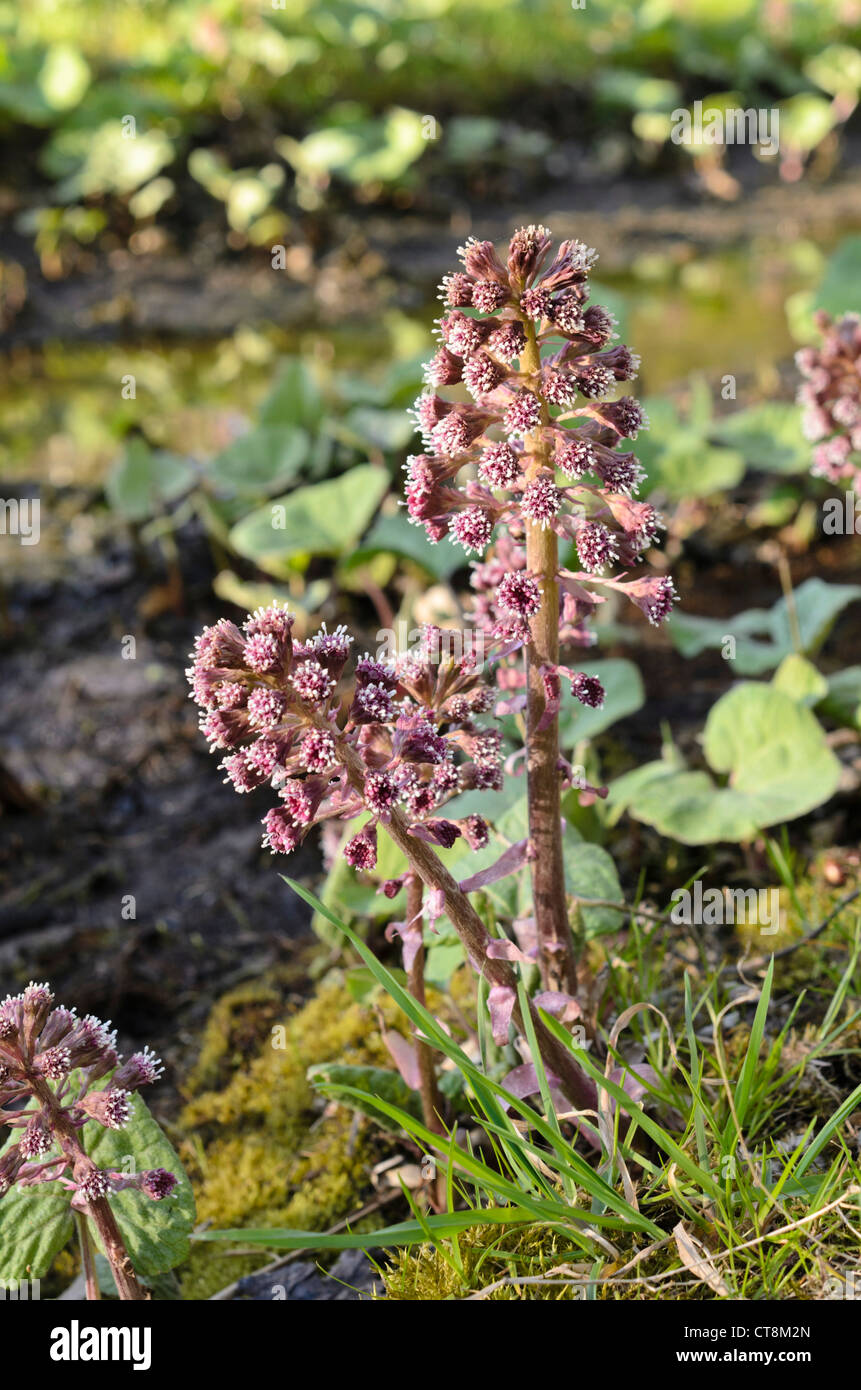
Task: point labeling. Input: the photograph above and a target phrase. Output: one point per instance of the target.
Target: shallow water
(63, 415)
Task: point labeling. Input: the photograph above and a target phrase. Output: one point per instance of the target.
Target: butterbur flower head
(574, 456)
(444, 369)
(317, 750)
(536, 303)
(456, 290)
(36, 1001)
(282, 835)
(655, 596)
(596, 546)
(523, 414)
(473, 529)
(37, 1138)
(526, 252)
(141, 1069)
(94, 1185)
(91, 1042)
(587, 689)
(488, 296)
(54, 1062)
(499, 466)
(520, 594)
(311, 681)
(372, 704)
(475, 831)
(461, 334)
(111, 1108)
(508, 341)
(481, 374)
(361, 851)
(157, 1183)
(380, 792)
(541, 500)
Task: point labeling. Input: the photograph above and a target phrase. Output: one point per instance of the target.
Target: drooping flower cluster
(50, 1060)
(831, 396)
(541, 442)
(409, 738)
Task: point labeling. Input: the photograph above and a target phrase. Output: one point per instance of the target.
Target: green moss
(262, 1150)
(488, 1257)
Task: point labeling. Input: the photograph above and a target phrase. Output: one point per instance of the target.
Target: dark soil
(109, 791)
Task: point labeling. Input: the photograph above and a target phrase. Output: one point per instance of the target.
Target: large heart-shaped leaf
(776, 758)
(324, 519)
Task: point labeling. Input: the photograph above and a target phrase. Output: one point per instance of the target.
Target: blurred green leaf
(261, 461)
(145, 480)
(324, 519)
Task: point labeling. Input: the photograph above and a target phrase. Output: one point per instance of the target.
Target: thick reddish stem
(555, 941)
(98, 1211)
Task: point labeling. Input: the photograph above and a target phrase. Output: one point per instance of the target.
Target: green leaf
(390, 430)
(146, 480)
(295, 400)
(35, 1224)
(778, 763)
(371, 1081)
(799, 679)
(324, 519)
(591, 873)
(262, 461)
(156, 1234)
(841, 284)
(843, 699)
(679, 458)
(395, 535)
(764, 637)
(64, 77)
(805, 120)
(768, 435)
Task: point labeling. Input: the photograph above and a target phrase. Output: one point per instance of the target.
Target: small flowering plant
(60, 1079)
(522, 453)
(831, 396)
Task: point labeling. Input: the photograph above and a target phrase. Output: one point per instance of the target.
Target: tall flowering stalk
(533, 432)
(49, 1062)
(540, 440)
